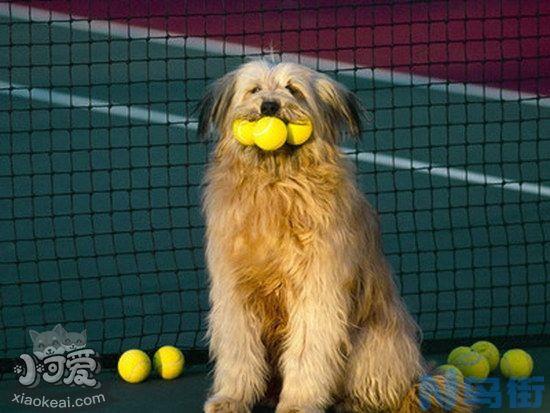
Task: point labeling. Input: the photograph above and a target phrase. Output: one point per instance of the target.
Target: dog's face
(288, 91)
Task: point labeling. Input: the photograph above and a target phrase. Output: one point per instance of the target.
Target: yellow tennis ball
(169, 362)
(269, 133)
(451, 372)
(242, 131)
(489, 351)
(298, 133)
(457, 352)
(516, 364)
(134, 366)
(472, 365)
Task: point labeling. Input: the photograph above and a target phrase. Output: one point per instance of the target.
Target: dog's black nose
(269, 107)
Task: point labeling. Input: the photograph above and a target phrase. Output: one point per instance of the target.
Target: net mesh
(101, 168)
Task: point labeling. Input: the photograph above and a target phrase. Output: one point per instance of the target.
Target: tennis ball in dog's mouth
(168, 362)
(269, 133)
(134, 366)
(242, 131)
(299, 132)
(516, 364)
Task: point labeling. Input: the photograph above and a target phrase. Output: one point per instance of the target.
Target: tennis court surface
(101, 168)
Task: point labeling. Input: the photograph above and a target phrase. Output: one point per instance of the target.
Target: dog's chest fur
(268, 228)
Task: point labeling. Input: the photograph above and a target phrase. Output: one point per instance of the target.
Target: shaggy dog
(303, 307)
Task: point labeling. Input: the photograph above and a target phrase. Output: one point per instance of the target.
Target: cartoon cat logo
(74, 341)
(56, 341)
(60, 356)
(48, 343)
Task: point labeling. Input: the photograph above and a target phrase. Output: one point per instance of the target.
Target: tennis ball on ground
(169, 362)
(242, 131)
(516, 364)
(457, 352)
(489, 351)
(450, 372)
(269, 133)
(300, 132)
(471, 364)
(134, 366)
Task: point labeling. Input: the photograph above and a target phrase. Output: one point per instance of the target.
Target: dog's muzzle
(269, 107)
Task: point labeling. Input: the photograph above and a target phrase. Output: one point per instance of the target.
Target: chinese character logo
(59, 356)
(523, 394)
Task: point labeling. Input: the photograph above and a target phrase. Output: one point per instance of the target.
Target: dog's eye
(255, 90)
(292, 90)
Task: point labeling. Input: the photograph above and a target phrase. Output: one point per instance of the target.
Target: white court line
(68, 100)
(214, 46)
(451, 173)
(163, 118)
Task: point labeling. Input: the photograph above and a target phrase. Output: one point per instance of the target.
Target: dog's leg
(384, 372)
(235, 344)
(317, 333)
(384, 363)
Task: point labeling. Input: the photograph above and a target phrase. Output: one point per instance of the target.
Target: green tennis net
(101, 168)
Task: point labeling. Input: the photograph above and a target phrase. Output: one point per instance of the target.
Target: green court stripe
(129, 32)
(163, 118)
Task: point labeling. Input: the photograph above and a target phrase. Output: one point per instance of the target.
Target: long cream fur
(304, 311)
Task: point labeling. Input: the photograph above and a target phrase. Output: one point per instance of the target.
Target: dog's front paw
(222, 404)
(283, 408)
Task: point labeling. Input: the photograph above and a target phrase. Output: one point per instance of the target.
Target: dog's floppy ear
(215, 104)
(343, 108)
